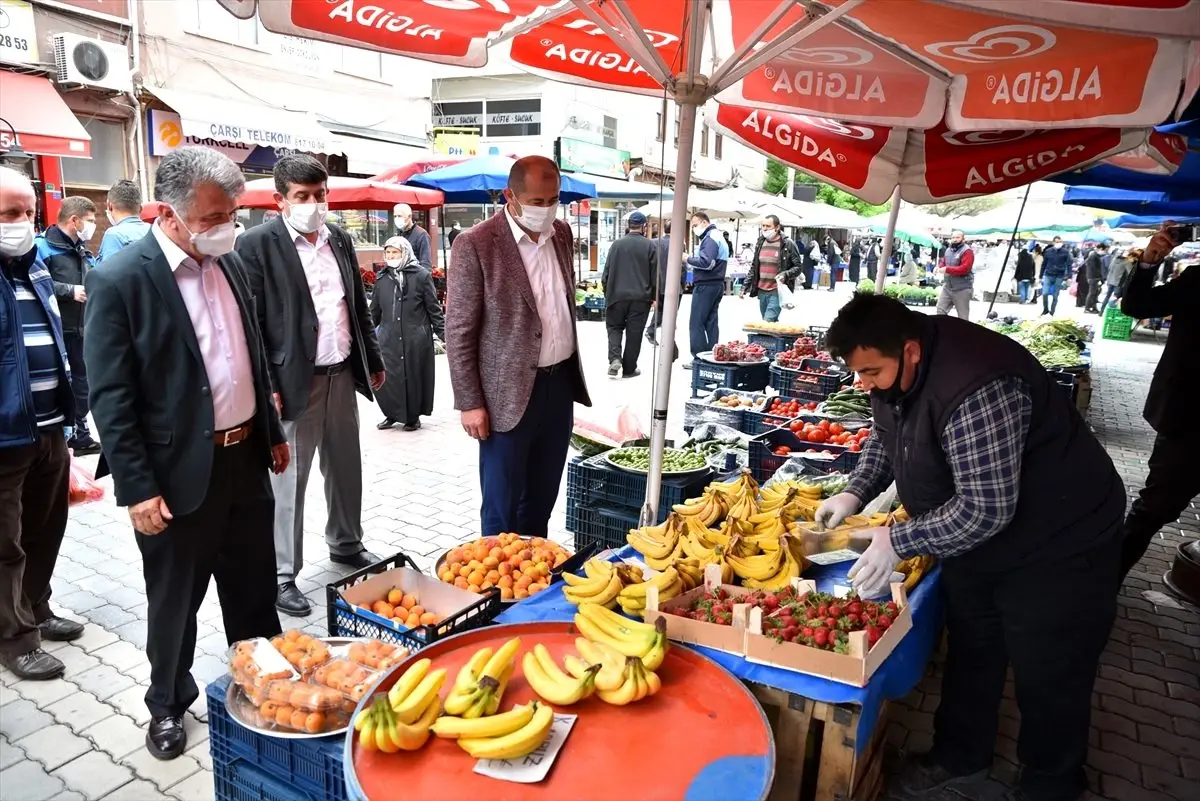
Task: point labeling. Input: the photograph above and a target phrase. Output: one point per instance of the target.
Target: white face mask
(307, 217)
(699, 230)
(16, 239)
(538, 219)
(403, 224)
(216, 241)
(88, 231)
(393, 263)
(111, 219)
(772, 234)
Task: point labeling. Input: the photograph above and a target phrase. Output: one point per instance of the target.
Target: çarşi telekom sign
(236, 138)
(166, 134)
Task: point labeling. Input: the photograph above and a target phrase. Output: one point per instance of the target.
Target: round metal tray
(699, 471)
(707, 356)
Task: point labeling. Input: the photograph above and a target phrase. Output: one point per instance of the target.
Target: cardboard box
(730, 639)
(855, 668)
(444, 600)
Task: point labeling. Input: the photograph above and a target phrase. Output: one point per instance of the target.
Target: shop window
(459, 114)
(718, 141)
(362, 63)
(107, 163)
(207, 18)
(704, 139)
(514, 117)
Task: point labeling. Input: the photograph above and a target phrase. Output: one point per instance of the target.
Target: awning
(224, 120)
(373, 156)
(43, 123)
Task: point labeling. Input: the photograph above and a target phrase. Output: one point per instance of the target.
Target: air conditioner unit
(90, 62)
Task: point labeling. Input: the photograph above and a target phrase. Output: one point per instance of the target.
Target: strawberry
(835, 610)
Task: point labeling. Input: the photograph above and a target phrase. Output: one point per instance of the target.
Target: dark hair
(775, 221)
(701, 215)
(873, 321)
(523, 166)
(1102, 246)
(125, 196)
(75, 206)
(300, 169)
(666, 225)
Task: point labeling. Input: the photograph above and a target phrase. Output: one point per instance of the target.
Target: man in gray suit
(321, 347)
(513, 350)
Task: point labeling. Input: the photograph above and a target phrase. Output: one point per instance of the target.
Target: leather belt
(330, 369)
(551, 369)
(233, 436)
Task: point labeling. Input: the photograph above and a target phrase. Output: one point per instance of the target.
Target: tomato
(796, 426)
(783, 450)
(819, 435)
(863, 433)
(811, 406)
(855, 447)
(823, 425)
(836, 428)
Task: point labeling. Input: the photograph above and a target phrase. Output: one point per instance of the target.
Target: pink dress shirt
(549, 294)
(217, 321)
(328, 296)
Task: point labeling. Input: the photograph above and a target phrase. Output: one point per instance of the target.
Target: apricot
(505, 581)
(521, 593)
(314, 722)
(486, 585)
(283, 715)
(292, 634)
(475, 579)
(409, 601)
(428, 618)
(383, 608)
(461, 583)
(394, 596)
(298, 719)
(506, 593)
(417, 610)
(413, 621)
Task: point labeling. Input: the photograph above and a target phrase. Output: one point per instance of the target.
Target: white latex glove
(833, 511)
(872, 573)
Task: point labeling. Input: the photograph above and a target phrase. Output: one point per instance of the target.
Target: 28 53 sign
(14, 42)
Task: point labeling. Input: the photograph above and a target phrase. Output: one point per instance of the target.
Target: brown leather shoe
(59, 629)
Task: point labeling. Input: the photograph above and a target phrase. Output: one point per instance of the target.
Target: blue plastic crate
(602, 527)
(308, 768)
(774, 344)
(594, 302)
(600, 484)
(764, 462)
(707, 377)
(793, 384)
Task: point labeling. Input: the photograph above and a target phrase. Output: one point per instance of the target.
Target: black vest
(1071, 498)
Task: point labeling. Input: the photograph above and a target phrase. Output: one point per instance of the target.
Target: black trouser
(852, 272)
(1173, 481)
(79, 382)
(34, 481)
(626, 318)
(230, 538)
(1050, 621)
(1093, 294)
(1081, 290)
(808, 276)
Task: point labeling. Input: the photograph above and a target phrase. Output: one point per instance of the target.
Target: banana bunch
(658, 545)
(743, 485)
(379, 727)
(551, 683)
(744, 506)
(626, 637)
(710, 507)
(691, 572)
(599, 585)
(770, 570)
(632, 599)
(636, 683)
(516, 743)
(481, 682)
(913, 569)
(800, 498)
(415, 692)
(696, 550)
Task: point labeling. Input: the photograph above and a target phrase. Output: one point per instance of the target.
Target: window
(514, 117)
(459, 114)
(718, 140)
(107, 163)
(362, 63)
(677, 126)
(704, 139)
(207, 18)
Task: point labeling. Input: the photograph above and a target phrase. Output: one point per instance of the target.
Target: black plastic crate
(346, 620)
(773, 344)
(761, 422)
(696, 412)
(248, 766)
(764, 462)
(827, 382)
(596, 483)
(817, 333)
(602, 527)
(585, 314)
(793, 384)
(707, 376)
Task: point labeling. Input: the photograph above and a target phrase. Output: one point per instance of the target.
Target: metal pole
(1007, 252)
(666, 344)
(885, 255)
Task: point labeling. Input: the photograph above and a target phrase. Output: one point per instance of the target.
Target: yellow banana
(789, 569)
(759, 567)
(633, 646)
(612, 664)
(653, 658)
(653, 682)
(408, 681)
(627, 692)
(366, 735)
(415, 703)
(618, 625)
(521, 742)
(449, 728)
(597, 569)
(663, 579)
(603, 594)
(662, 564)
(551, 684)
(387, 738)
(468, 675)
(410, 738)
(461, 703)
(494, 701)
(503, 656)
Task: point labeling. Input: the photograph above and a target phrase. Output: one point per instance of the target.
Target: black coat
(790, 265)
(418, 237)
(1174, 389)
(69, 263)
(288, 319)
(1025, 267)
(630, 270)
(148, 386)
(406, 322)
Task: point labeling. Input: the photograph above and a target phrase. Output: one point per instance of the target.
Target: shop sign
(577, 156)
(456, 144)
(18, 38)
(471, 120)
(300, 55)
(588, 124)
(514, 118)
(166, 134)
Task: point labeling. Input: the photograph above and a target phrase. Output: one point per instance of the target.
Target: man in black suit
(181, 396)
(321, 347)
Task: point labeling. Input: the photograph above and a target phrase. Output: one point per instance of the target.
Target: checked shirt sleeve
(873, 473)
(983, 443)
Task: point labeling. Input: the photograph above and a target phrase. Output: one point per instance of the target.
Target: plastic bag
(590, 438)
(83, 486)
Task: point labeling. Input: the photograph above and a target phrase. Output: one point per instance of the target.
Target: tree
(777, 177)
(965, 206)
(838, 198)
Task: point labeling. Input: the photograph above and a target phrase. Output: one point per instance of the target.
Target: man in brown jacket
(513, 349)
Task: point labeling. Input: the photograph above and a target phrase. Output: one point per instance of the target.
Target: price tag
(533, 767)
(833, 557)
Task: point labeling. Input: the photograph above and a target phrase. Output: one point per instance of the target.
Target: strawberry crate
(344, 619)
(707, 377)
(774, 344)
(764, 461)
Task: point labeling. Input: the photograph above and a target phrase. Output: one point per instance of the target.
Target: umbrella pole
(885, 255)
(1007, 253)
(662, 385)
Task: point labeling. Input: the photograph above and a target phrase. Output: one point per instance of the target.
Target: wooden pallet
(815, 745)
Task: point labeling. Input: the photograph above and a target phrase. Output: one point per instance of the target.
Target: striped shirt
(41, 352)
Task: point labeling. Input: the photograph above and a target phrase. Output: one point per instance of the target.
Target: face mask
(699, 230)
(16, 239)
(393, 263)
(216, 241)
(307, 217)
(89, 230)
(536, 218)
(111, 219)
(892, 393)
(403, 224)
(772, 234)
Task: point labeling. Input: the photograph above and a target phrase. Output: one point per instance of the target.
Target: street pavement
(81, 737)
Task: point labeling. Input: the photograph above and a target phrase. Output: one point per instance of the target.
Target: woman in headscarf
(406, 314)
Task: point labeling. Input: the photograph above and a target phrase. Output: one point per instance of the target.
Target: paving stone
(202, 754)
(94, 638)
(163, 773)
(136, 790)
(120, 654)
(79, 710)
(102, 681)
(110, 616)
(35, 783)
(79, 601)
(44, 693)
(76, 660)
(134, 632)
(131, 702)
(98, 585)
(9, 754)
(94, 775)
(20, 718)
(54, 746)
(197, 787)
(139, 673)
(118, 736)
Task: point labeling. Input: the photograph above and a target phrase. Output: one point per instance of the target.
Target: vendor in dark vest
(1007, 486)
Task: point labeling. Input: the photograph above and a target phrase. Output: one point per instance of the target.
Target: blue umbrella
(1128, 201)
(481, 179)
(1151, 221)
